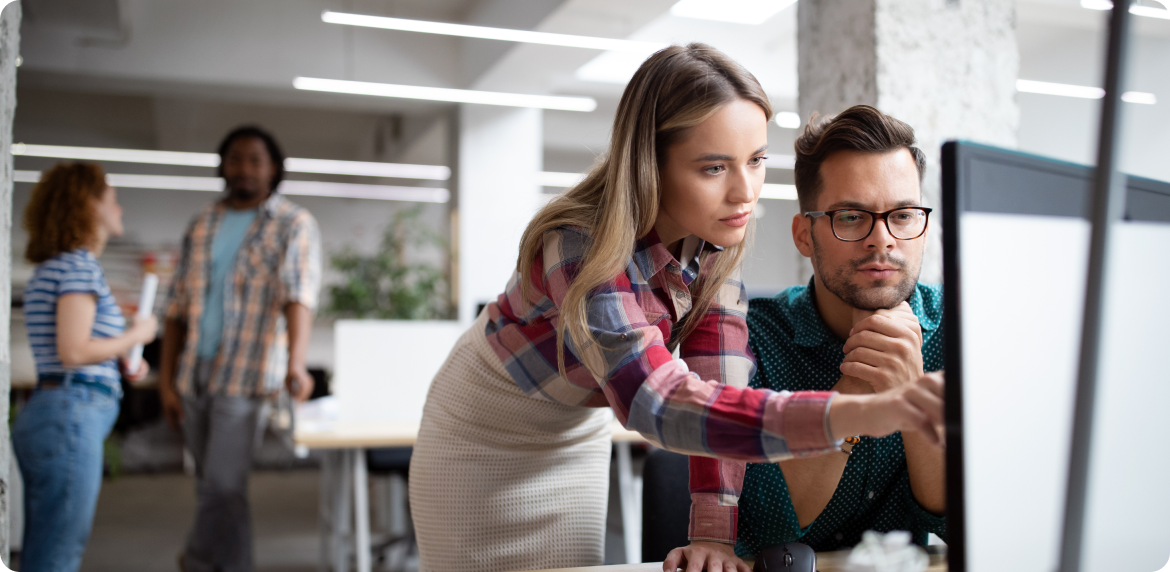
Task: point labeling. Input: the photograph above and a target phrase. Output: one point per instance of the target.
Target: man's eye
(756, 161)
(903, 217)
(714, 170)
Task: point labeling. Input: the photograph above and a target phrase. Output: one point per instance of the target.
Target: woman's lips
(737, 220)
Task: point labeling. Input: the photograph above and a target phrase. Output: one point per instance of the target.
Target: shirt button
(679, 294)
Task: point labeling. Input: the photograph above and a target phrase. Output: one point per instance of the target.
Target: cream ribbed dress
(501, 481)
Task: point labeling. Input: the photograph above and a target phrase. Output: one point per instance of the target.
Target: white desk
(344, 474)
(826, 562)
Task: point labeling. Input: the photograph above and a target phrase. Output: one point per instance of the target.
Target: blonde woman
(511, 468)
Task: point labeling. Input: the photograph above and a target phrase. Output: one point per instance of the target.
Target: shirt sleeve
(81, 278)
(178, 298)
(660, 397)
(300, 272)
(718, 350)
(921, 520)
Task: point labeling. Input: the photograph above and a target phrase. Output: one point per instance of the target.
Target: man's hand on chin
(884, 347)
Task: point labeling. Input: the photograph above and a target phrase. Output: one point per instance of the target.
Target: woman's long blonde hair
(674, 90)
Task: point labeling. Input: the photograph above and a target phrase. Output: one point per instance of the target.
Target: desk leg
(341, 508)
(361, 502)
(631, 508)
(325, 522)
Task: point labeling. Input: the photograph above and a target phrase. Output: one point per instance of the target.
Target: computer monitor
(1016, 236)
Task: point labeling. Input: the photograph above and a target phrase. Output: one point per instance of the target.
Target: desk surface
(343, 435)
(826, 562)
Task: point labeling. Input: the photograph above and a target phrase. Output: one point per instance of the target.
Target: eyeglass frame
(874, 217)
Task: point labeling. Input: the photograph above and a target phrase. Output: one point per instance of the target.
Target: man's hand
(701, 555)
(884, 348)
(172, 405)
(299, 383)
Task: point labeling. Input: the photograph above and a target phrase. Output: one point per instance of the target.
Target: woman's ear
(802, 234)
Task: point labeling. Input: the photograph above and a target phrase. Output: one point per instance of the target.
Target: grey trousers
(220, 432)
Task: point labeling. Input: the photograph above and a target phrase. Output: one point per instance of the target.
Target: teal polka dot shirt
(797, 352)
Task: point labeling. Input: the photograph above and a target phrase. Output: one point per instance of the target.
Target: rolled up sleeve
(300, 272)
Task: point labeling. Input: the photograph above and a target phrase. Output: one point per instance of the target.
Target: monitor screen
(1016, 236)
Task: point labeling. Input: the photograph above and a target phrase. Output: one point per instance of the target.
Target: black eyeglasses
(852, 225)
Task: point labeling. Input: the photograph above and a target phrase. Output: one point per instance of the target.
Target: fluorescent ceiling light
(447, 94)
(554, 179)
(298, 188)
(292, 164)
(367, 169)
(788, 120)
(1080, 91)
(611, 67)
(504, 34)
(118, 155)
(1135, 9)
(783, 192)
(736, 11)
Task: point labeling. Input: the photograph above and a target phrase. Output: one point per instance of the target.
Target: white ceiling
(250, 50)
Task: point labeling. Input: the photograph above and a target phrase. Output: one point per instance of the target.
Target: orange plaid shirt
(278, 263)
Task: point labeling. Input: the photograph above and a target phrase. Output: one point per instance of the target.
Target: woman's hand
(709, 556)
(135, 376)
(144, 330)
(916, 406)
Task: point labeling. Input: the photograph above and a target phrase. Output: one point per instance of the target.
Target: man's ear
(802, 234)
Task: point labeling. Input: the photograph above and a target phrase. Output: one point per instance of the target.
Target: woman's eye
(714, 170)
(757, 161)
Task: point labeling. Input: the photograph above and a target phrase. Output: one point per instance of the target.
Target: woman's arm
(76, 345)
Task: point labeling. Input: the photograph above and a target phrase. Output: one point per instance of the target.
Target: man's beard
(874, 297)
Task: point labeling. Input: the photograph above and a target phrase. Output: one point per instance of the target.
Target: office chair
(666, 504)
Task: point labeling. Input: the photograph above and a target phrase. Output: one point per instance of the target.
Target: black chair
(666, 504)
(401, 545)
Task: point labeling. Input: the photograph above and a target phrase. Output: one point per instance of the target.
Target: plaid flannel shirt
(278, 263)
(698, 405)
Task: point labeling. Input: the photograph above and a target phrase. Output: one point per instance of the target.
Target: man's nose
(880, 238)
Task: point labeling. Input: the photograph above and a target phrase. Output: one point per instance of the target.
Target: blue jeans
(58, 439)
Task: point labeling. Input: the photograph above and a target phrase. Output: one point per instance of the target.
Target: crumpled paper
(890, 552)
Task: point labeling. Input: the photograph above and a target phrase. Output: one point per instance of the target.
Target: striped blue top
(70, 273)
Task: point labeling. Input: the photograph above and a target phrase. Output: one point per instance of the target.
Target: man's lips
(738, 219)
(878, 271)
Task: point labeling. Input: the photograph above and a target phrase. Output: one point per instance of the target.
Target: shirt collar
(810, 330)
(268, 207)
(651, 256)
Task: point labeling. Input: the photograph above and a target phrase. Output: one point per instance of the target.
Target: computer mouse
(787, 557)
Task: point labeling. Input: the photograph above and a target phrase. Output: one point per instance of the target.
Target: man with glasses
(863, 324)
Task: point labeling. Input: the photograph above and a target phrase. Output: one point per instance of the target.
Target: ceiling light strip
(292, 164)
(564, 103)
(1136, 9)
(486, 33)
(1080, 91)
(297, 188)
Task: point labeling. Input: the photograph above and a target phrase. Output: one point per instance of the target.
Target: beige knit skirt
(500, 481)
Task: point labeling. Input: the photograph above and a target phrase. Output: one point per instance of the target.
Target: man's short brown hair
(859, 128)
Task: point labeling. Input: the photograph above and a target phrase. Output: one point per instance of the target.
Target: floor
(142, 520)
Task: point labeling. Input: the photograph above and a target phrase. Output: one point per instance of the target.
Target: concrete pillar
(9, 52)
(500, 152)
(946, 67)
